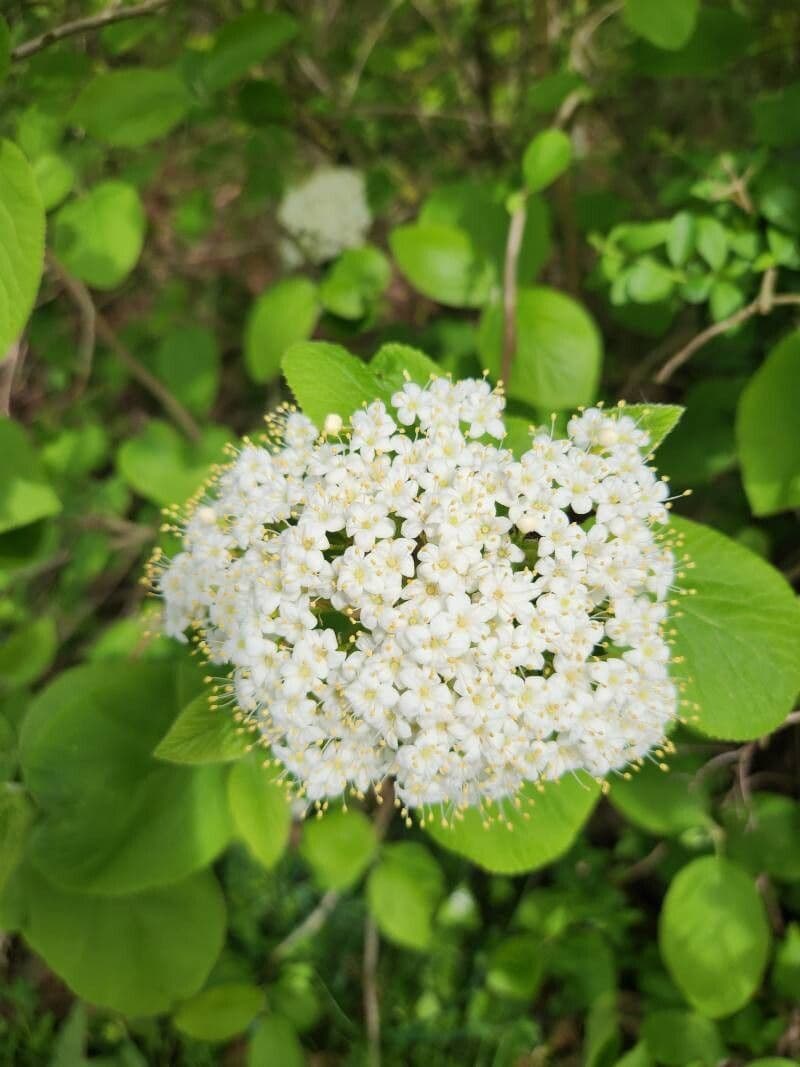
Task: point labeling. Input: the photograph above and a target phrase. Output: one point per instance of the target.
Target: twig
(372, 1008)
(580, 50)
(762, 305)
(643, 866)
(8, 368)
(516, 231)
(81, 297)
(87, 337)
(311, 925)
(317, 918)
(91, 22)
(368, 43)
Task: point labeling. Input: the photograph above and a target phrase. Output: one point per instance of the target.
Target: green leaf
(659, 420)
(243, 42)
(22, 225)
(25, 493)
(402, 893)
(187, 362)
(392, 362)
(261, 811)
(739, 635)
(663, 803)
(765, 837)
(516, 967)
(134, 954)
(70, 1046)
(558, 357)
(681, 1038)
(203, 734)
(712, 241)
(354, 283)
(640, 237)
(666, 26)
(219, 1013)
(703, 446)
(602, 1031)
(648, 281)
(638, 1056)
(54, 177)
(721, 36)
(766, 431)
(786, 967)
(16, 816)
(338, 847)
(714, 936)
(777, 116)
(115, 820)
(28, 652)
(725, 298)
(129, 108)
(680, 238)
(546, 158)
(443, 263)
(275, 1044)
(286, 313)
(525, 838)
(518, 434)
(326, 379)
(99, 236)
(165, 468)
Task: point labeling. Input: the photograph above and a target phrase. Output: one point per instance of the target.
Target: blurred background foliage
(624, 178)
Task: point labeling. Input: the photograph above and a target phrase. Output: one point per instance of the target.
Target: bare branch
(8, 367)
(763, 304)
(311, 925)
(372, 1008)
(91, 22)
(81, 297)
(516, 231)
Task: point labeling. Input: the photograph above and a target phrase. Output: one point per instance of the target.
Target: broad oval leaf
(739, 635)
(135, 954)
(262, 815)
(522, 838)
(115, 820)
(659, 420)
(243, 42)
(286, 313)
(338, 847)
(326, 379)
(220, 1012)
(764, 837)
(766, 431)
(443, 263)
(163, 467)
(129, 108)
(99, 236)
(403, 890)
(25, 492)
(203, 733)
(665, 25)
(558, 354)
(22, 225)
(546, 158)
(714, 935)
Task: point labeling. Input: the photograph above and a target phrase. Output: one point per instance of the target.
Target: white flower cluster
(404, 598)
(324, 215)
